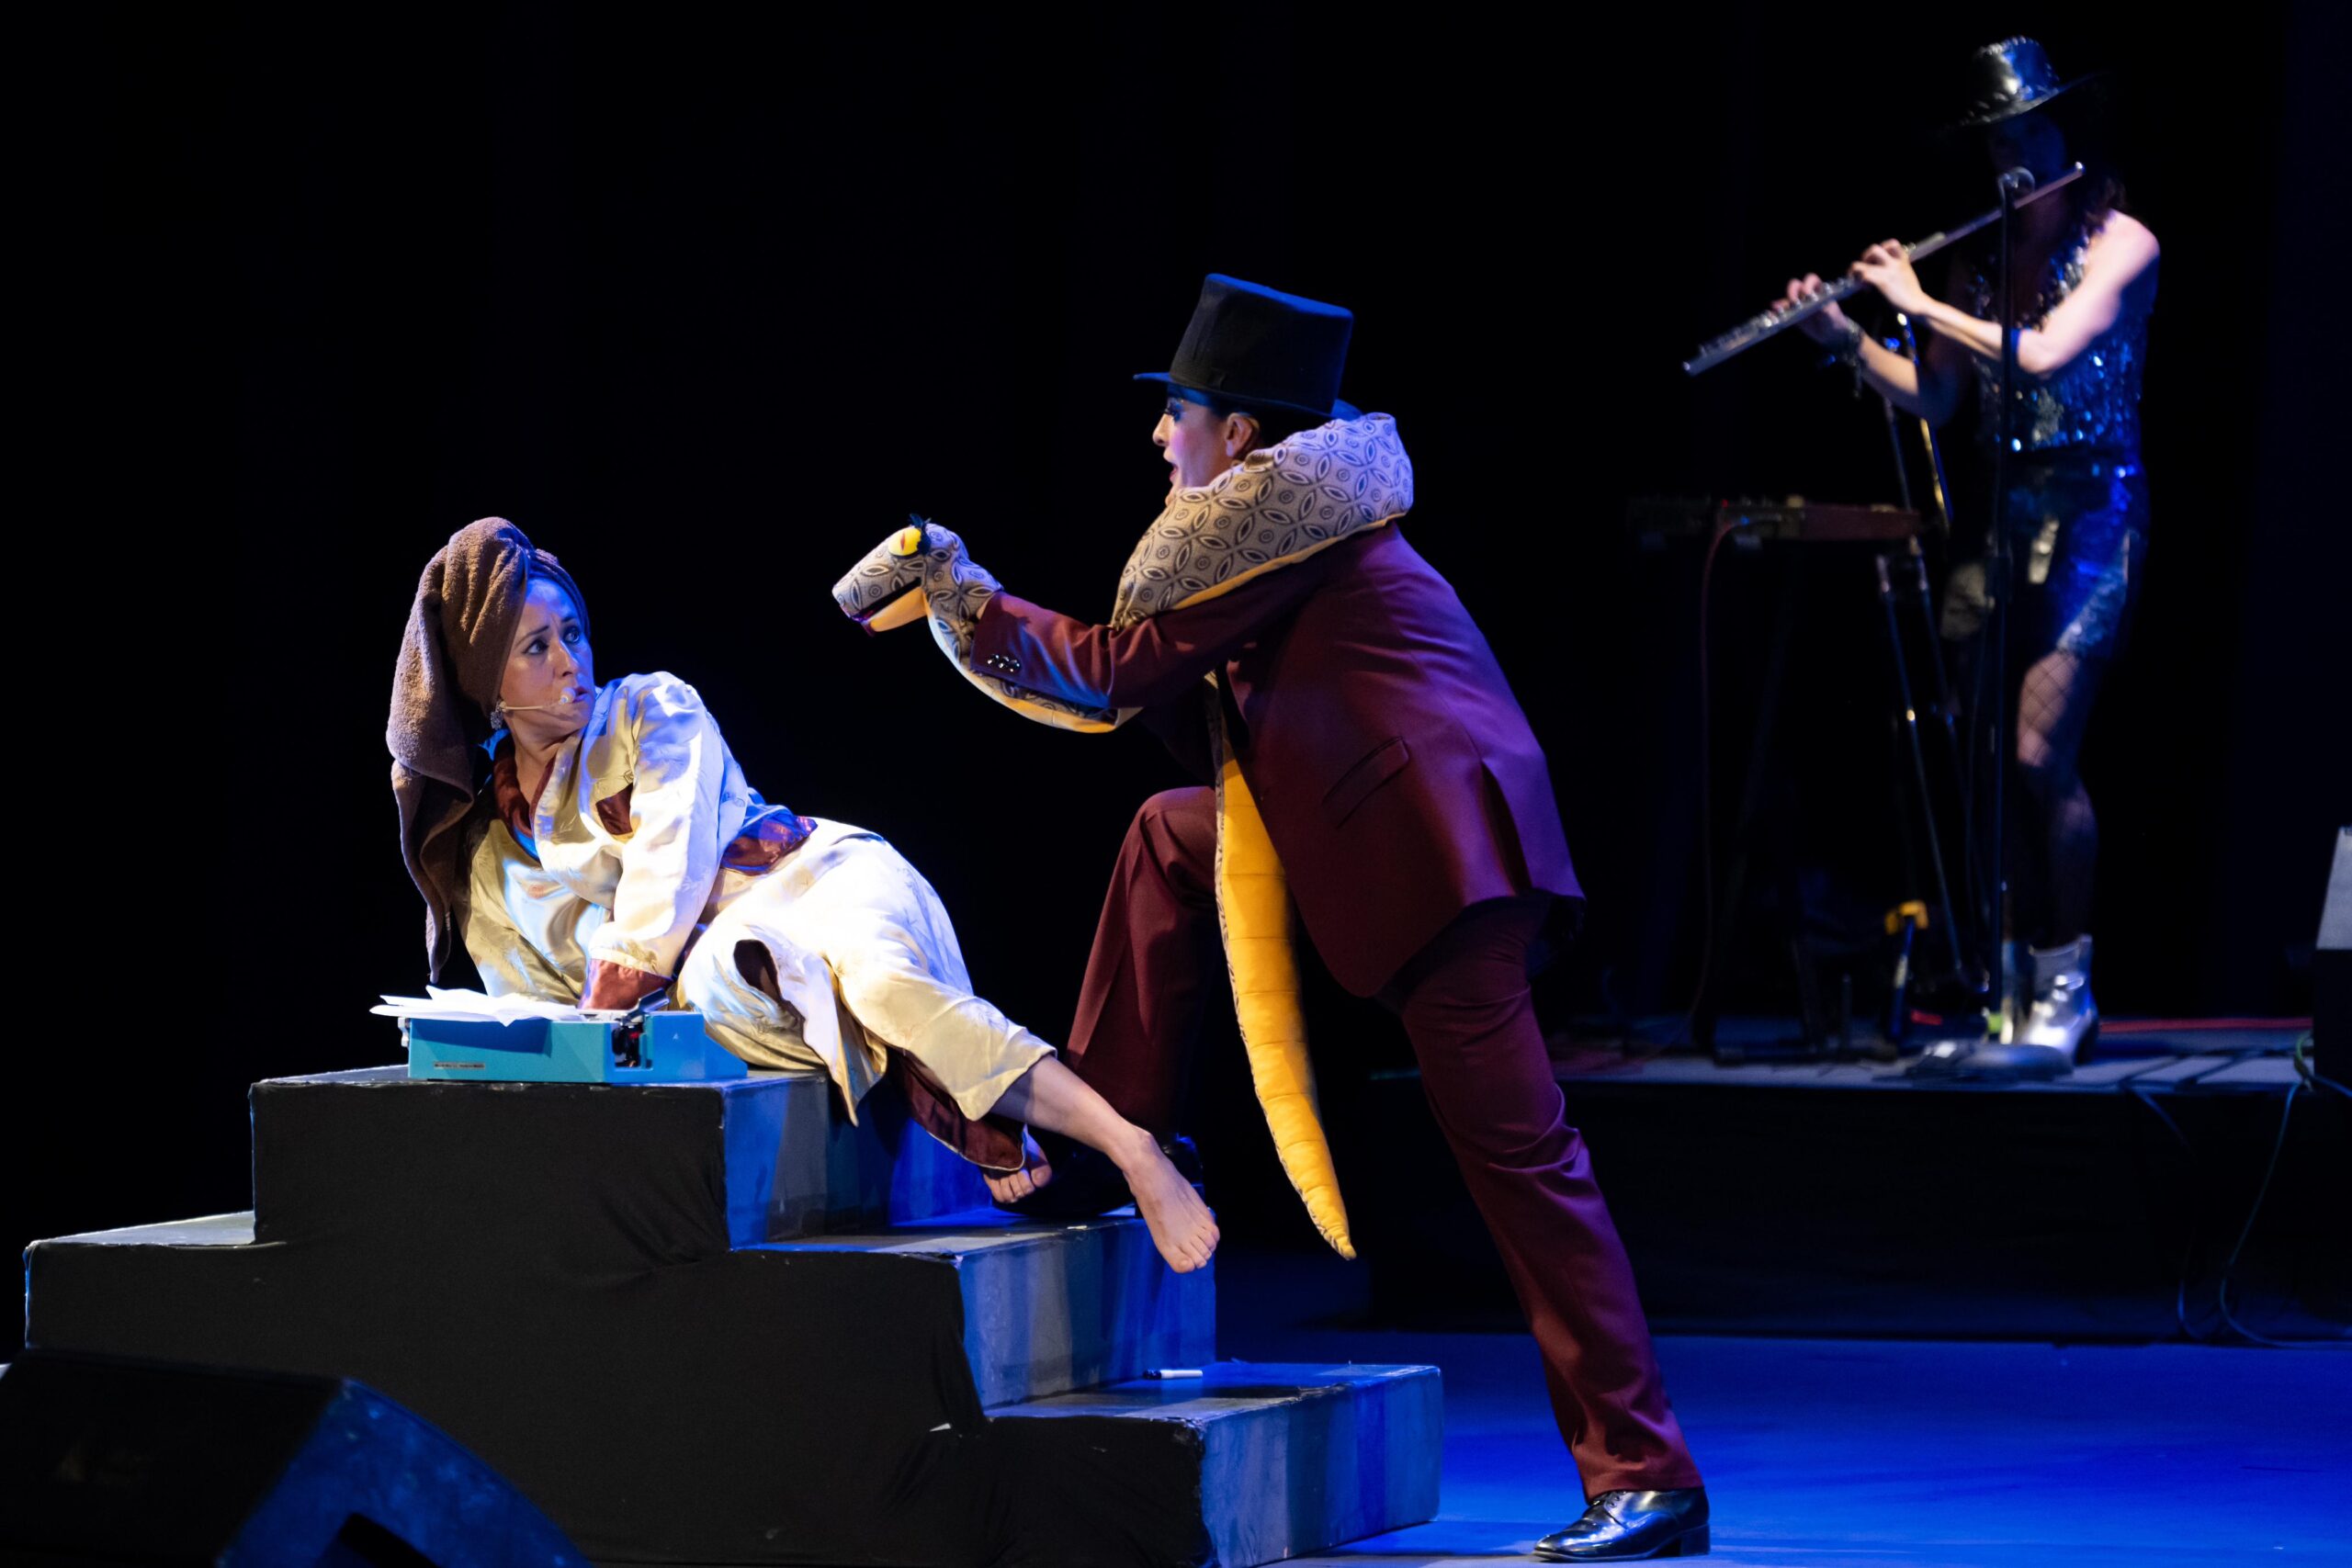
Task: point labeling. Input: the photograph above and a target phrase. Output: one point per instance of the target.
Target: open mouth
(902, 610)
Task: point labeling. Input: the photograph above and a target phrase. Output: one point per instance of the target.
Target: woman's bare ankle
(1132, 1148)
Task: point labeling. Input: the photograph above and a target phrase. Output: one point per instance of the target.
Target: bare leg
(1052, 1096)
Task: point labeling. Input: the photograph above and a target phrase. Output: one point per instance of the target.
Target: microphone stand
(2000, 579)
(1975, 974)
(1916, 561)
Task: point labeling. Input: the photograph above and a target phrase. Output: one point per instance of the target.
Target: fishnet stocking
(2057, 832)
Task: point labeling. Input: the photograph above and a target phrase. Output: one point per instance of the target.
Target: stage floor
(1909, 1454)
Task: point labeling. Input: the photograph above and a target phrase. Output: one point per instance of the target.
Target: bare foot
(1034, 1173)
(1182, 1226)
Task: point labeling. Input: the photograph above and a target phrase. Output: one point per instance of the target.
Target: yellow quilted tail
(1253, 909)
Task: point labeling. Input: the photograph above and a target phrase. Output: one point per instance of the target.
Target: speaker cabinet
(143, 1462)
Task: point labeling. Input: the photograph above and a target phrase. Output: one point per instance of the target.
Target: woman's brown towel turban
(444, 689)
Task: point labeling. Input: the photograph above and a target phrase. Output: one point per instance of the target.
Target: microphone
(2018, 181)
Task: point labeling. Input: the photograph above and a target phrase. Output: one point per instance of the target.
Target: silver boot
(2059, 1025)
(2063, 1018)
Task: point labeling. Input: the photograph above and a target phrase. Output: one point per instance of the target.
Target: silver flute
(1756, 329)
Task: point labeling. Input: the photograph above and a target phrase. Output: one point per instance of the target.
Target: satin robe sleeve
(1156, 660)
(670, 856)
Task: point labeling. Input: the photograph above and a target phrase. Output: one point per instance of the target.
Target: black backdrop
(709, 303)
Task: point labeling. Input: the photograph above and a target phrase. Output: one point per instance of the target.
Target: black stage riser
(1962, 1212)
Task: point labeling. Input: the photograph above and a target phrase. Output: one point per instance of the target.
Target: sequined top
(2092, 405)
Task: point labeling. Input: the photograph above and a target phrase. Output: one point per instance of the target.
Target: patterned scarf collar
(1276, 506)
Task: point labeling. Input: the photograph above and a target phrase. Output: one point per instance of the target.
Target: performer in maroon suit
(1411, 808)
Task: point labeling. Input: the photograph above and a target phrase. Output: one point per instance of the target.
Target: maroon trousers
(1465, 1005)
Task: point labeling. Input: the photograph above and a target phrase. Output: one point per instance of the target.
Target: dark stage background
(708, 302)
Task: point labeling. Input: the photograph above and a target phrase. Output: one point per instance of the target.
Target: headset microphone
(565, 701)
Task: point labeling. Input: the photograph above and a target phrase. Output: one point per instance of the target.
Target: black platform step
(1051, 1307)
(761, 1158)
(1245, 1464)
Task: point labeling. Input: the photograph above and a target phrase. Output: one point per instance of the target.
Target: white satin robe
(863, 951)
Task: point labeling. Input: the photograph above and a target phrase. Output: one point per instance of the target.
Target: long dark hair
(2081, 118)
(2101, 190)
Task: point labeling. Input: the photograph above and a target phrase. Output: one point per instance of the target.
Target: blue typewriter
(642, 1047)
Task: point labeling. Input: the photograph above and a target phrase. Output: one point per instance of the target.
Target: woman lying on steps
(599, 844)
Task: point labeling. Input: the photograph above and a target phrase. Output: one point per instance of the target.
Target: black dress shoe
(1086, 1184)
(1621, 1527)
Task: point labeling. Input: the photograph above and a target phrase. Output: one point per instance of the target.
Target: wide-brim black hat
(1247, 343)
(2009, 78)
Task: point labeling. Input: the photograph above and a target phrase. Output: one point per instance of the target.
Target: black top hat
(2008, 79)
(1247, 343)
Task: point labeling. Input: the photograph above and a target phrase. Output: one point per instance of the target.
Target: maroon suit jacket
(1399, 778)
